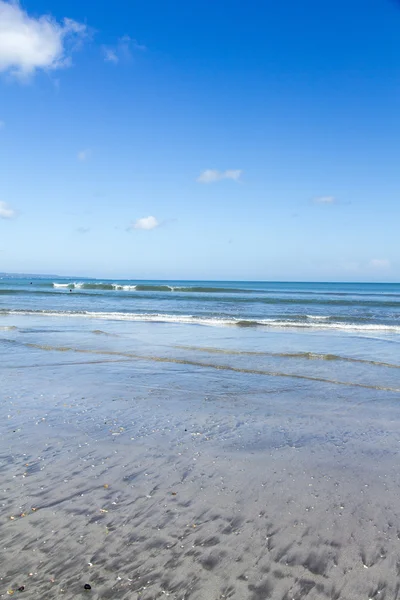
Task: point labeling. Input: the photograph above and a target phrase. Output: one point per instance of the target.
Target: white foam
(127, 288)
(156, 318)
(211, 321)
(338, 326)
(94, 285)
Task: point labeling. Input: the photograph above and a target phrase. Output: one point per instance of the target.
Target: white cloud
(123, 49)
(6, 212)
(110, 55)
(379, 263)
(146, 223)
(84, 154)
(325, 200)
(212, 175)
(28, 44)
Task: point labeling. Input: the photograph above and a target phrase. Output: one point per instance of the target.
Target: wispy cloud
(325, 200)
(84, 154)
(110, 55)
(146, 223)
(29, 44)
(123, 50)
(83, 230)
(381, 264)
(6, 212)
(212, 175)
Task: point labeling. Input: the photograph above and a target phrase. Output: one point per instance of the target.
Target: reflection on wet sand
(150, 472)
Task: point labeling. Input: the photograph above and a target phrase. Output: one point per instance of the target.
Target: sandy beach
(146, 480)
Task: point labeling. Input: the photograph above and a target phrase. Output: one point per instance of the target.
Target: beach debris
(87, 586)
(34, 509)
(103, 510)
(174, 493)
(12, 518)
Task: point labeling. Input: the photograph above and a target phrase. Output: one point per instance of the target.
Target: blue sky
(213, 140)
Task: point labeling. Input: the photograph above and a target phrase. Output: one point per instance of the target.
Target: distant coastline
(32, 275)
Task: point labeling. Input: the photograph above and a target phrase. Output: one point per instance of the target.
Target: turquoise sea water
(362, 307)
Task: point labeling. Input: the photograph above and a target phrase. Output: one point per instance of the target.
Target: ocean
(353, 306)
(336, 332)
(199, 439)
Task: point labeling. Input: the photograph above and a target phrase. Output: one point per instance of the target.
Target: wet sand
(147, 480)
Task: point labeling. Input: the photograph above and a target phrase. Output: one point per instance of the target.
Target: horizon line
(48, 276)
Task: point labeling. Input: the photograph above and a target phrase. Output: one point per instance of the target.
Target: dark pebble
(87, 586)
(21, 589)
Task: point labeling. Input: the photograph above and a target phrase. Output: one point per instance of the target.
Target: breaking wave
(145, 287)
